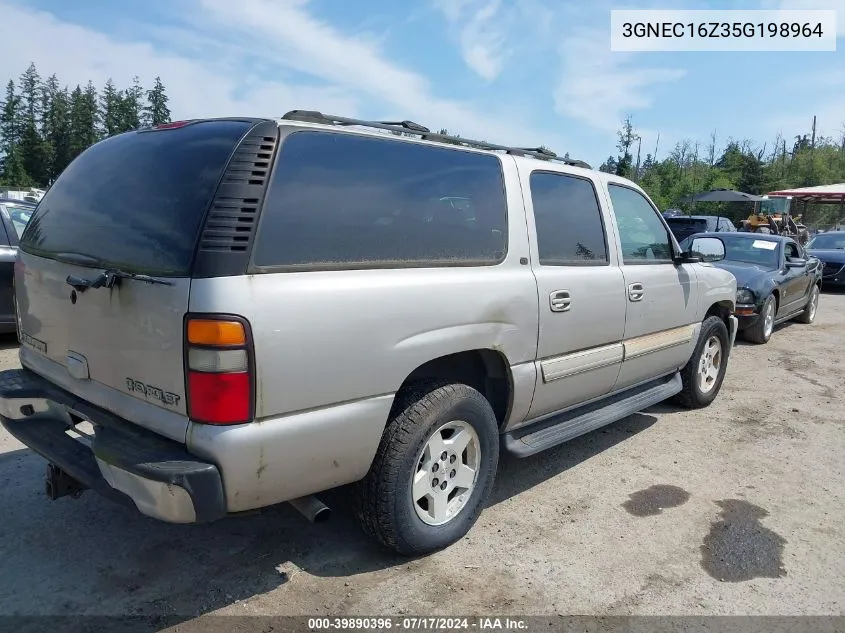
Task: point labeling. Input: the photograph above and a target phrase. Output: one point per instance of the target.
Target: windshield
(19, 215)
(774, 206)
(827, 241)
(752, 250)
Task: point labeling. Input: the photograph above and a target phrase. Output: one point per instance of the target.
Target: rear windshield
(19, 217)
(684, 227)
(349, 201)
(135, 201)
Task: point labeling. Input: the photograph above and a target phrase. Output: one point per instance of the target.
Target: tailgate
(133, 204)
(128, 338)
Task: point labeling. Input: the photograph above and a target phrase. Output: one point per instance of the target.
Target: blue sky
(523, 72)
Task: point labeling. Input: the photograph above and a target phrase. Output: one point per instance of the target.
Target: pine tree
(34, 152)
(9, 135)
(131, 107)
(111, 102)
(84, 119)
(14, 174)
(9, 119)
(56, 126)
(157, 111)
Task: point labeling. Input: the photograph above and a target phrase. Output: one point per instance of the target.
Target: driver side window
(792, 251)
(644, 238)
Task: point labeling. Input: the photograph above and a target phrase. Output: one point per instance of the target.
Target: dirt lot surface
(736, 509)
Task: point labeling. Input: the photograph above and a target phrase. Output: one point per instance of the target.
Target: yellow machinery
(773, 215)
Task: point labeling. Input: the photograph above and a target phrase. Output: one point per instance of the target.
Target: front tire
(809, 313)
(762, 329)
(433, 471)
(703, 375)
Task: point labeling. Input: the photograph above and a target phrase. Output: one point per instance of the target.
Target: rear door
(134, 202)
(582, 296)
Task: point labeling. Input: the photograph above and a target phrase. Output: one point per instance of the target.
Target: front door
(795, 278)
(581, 291)
(661, 321)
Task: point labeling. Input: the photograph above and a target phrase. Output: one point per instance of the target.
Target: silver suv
(221, 315)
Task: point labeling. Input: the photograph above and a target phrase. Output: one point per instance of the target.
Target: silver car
(222, 315)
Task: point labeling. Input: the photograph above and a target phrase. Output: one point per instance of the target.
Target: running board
(563, 427)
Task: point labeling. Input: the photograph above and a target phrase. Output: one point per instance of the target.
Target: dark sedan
(775, 278)
(830, 249)
(14, 216)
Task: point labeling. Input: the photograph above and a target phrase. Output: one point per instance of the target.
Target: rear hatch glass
(684, 227)
(133, 202)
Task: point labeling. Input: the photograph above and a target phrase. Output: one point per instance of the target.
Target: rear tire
(809, 313)
(413, 500)
(762, 329)
(704, 373)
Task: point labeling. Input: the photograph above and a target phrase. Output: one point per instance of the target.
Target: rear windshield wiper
(111, 277)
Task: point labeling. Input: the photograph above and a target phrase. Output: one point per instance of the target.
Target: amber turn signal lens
(214, 332)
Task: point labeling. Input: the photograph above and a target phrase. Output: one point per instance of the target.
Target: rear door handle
(560, 301)
(636, 291)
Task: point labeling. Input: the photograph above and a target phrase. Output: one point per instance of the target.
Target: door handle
(560, 301)
(636, 291)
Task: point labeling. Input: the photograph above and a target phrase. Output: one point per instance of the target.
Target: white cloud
(598, 87)
(196, 89)
(240, 59)
(287, 32)
(483, 33)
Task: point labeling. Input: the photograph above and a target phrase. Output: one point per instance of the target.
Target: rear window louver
(232, 218)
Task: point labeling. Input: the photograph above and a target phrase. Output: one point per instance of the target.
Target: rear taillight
(219, 369)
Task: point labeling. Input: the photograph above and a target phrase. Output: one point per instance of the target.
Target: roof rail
(409, 127)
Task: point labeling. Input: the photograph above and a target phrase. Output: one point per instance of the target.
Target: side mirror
(705, 249)
(796, 262)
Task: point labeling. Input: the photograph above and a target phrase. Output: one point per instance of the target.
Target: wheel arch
(486, 370)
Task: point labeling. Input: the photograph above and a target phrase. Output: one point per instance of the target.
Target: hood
(746, 274)
(834, 255)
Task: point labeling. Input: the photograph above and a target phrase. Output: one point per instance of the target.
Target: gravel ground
(735, 509)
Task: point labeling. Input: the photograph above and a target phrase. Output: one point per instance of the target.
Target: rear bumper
(121, 461)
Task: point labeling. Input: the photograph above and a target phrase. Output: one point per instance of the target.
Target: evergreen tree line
(804, 160)
(45, 125)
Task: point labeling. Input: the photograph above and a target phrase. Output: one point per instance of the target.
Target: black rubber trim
(116, 442)
(228, 230)
(534, 438)
(46, 436)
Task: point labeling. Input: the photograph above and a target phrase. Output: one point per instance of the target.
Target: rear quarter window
(345, 201)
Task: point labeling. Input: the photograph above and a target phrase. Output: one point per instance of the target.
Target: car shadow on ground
(90, 556)
(8, 341)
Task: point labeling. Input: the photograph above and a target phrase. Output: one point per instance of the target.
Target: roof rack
(409, 127)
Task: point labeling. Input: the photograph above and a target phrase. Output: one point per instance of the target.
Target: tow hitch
(59, 484)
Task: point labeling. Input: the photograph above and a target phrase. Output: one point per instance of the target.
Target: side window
(643, 236)
(568, 219)
(341, 201)
(792, 251)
